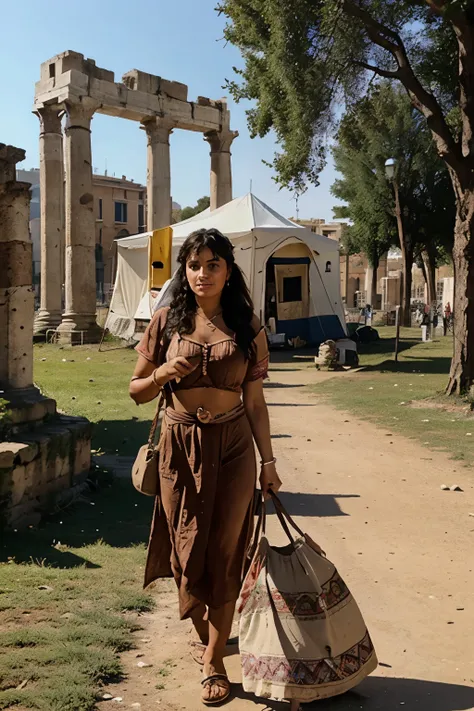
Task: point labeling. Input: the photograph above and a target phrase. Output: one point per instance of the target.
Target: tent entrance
(292, 290)
(287, 291)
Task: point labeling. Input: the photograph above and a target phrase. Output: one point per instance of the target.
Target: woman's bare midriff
(216, 401)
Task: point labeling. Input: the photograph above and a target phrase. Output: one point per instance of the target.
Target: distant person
(368, 315)
(447, 311)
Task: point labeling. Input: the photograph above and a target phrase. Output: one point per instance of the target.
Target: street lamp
(390, 168)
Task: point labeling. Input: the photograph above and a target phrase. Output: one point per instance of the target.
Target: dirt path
(373, 502)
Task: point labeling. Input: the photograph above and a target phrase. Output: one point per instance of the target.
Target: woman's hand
(269, 479)
(176, 368)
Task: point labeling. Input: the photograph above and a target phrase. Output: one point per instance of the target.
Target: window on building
(100, 236)
(140, 196)
(141, 217)
(100, 208)
(439, 291)
(121, 212)
(292, 289)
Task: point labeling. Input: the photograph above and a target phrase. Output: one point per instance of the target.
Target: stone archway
(73, 85)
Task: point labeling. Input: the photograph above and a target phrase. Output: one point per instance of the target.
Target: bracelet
(266, 464)
(154, 379)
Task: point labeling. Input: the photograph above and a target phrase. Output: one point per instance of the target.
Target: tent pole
(252, 267)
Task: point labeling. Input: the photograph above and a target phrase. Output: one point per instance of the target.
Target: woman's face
(207, 274)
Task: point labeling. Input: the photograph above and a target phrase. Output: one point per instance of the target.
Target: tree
(305, 56)
(175, 215)
(202, 204)
(383, 124)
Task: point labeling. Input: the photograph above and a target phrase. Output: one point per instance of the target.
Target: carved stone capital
(50, 118)
(79, 115)
(158, 129)
(220, 141)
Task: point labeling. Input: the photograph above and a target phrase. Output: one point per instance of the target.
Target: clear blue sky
(179, 40)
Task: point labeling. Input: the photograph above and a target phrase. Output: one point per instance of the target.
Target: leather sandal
(197, 651)
(222, 683)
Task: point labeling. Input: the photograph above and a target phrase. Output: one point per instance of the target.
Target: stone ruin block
(135, 80)
(68, 61)
(41, 466)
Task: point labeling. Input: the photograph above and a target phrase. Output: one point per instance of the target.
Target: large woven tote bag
(302, 635)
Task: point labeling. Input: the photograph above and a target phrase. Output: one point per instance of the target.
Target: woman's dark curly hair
(236, 302)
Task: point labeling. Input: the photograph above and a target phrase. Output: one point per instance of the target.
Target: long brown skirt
(207, 477)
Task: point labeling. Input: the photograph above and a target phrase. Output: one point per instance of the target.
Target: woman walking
(209, 353)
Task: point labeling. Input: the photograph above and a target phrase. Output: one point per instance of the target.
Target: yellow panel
(293, 250)
(159, 257)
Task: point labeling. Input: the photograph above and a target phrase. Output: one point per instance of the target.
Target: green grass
(70, 592)
(95, 385)
(407, 397)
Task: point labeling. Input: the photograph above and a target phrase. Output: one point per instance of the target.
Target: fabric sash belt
(188, 418)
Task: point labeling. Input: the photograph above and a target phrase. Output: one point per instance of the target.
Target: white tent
(302, 266)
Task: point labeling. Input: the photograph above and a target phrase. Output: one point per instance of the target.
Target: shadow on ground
(303, 355)
(281, 386)
(115, 514)
(122, 437)
(387, 694)
(323, 505)
(430, 366)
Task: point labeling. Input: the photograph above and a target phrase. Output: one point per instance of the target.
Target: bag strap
(260, 528)
(284, 517)
(162, 399)
(154, 424)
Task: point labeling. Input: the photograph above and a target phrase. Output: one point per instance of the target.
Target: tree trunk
(461, 377)
(373, 283)
(429, 263)
(407, 257)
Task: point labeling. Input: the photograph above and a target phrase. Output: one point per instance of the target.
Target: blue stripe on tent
(313, 330)
(289, 260)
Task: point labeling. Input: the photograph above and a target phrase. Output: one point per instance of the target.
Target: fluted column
(52, 224)
(16, 274)
(221, 171)
(80, 286)
(158, 178)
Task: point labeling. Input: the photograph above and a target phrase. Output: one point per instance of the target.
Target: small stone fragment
(44, 587)
(455, 487)
(443, 487)
(142, 665)
(107, 697)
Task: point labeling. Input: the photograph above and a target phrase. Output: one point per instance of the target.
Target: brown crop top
(223, 365)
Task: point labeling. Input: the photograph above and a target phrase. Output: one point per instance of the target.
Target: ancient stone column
(16, 274)
(80, 287)
(52, 227)
(221, 171)
(158, 178)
